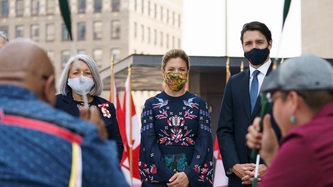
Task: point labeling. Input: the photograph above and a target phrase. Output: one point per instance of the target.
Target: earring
(293, 119)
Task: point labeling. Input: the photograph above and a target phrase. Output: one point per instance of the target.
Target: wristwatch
(229, 172)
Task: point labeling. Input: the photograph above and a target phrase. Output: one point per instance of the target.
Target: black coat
(235, 118)
(67, 104)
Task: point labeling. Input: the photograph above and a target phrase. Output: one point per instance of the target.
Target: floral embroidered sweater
(176, 137)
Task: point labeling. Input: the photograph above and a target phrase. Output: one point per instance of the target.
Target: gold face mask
(175, 81)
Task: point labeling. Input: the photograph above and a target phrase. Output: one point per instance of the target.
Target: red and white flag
(129, 162)
(220, 179)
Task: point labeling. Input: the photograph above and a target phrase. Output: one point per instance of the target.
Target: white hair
(98, 84)
(4, 36)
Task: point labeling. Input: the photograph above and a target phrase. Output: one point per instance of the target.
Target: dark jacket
(235, 118)
(67, 104)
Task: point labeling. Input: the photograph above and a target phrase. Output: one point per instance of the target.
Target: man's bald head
(24, 63)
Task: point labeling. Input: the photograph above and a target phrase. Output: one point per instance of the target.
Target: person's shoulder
(60, 96)
(62, 101)
(157, 96)
(101, 99)
(239, 75)
(196, 97)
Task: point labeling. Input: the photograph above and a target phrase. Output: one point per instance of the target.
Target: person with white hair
(81, 77)
(3, 39)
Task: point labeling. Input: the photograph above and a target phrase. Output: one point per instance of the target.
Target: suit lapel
(245, 92)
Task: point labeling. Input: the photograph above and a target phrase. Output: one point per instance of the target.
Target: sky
(205, 33)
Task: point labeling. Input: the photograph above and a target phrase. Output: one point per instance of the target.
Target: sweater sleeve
(151, 164)
(200, 170)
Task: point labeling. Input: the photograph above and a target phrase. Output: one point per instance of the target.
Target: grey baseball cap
(306, 72)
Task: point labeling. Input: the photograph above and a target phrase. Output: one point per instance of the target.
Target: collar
(263, 68)
(13, 91)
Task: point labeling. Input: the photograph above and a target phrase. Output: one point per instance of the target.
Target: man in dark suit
(241, 104)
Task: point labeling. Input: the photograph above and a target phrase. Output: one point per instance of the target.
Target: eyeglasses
(272, 96)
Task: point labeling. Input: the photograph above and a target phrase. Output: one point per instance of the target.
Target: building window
(179, 43)
(173, 42)
(173, 19)
(155, 11)
(135, 5)
(142, 6)
(34, 32)
(4, 29)
(142, 33)
(161, 14)
(4, 8)
(64, 33)
(161, 39)
(34, 7)
(50, 6)
(98, 56)
(148, 35)
(135, 30)
(167, 41)
(19, 30)
(167, 16)
(81, 6)
(81, 31)
(97, 30)
(116, 54)
(148, 8)
(179, 20)
(50, 54)
(65, 55)
(115, 5)
(50, 32)
(97, 6)
(155, 37)
(115, 29)
(19, 7)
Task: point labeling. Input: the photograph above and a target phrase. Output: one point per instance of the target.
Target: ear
(295, 101)
(162, 72)
(270, 44)
(50, 90)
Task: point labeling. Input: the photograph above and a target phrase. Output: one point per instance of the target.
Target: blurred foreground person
(40, 145)
(302, 92)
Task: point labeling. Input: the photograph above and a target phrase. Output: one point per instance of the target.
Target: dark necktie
(254, 89)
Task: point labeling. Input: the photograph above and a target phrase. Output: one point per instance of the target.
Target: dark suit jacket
(67, 104)
(235, 118)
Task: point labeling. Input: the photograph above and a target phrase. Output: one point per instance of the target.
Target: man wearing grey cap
(302, 92)
(3, 39)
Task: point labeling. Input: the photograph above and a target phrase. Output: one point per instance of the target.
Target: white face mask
(81, 85)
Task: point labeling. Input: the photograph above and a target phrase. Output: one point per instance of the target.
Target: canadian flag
(131, 138)
(220, 179)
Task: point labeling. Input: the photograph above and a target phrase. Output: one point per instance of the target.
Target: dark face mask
(257, 56)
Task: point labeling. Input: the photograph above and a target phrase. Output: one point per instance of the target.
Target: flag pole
(242, 66)
(112, 84)
(130, 122)
(227, 69)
